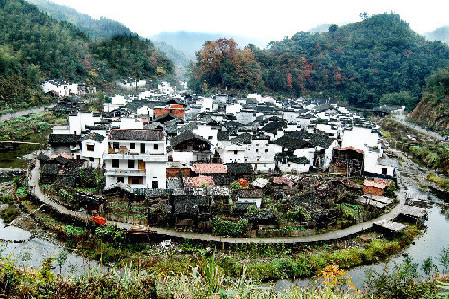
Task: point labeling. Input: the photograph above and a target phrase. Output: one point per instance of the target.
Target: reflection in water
(12, 233)
(33, 253)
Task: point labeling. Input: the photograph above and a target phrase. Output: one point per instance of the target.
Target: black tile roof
(244, 138)
(63, 138)
(223, 135)
(94, 136)
(185, 136)
(142, 135)
(239, 168)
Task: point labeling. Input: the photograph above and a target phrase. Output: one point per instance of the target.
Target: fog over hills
(439, 34)
(190, 42)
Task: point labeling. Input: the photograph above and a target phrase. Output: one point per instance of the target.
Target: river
(28, 251)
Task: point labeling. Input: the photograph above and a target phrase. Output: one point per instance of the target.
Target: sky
(259, 20)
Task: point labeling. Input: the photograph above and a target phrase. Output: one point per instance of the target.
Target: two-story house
(137, 158)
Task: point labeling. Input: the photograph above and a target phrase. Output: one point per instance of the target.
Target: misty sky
(261, 20)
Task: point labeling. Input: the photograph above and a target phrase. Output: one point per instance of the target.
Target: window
(90, 147)
(120, 179)
(154, 184)
(115, 145)
(115, 163)
(132, 145)
(130, 163)
(135, 180)
(142, 148)
(156, 146)
(257, 150)
(236, 152)
(266, 150)
(384, 171)
(210, 137)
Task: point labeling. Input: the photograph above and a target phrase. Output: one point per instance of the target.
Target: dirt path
(333, 235)
(24, 112)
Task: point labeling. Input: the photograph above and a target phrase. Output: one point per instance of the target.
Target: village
(225, 165)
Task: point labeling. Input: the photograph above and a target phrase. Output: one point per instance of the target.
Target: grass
(25, 128)
(438, 180)
(9, 214)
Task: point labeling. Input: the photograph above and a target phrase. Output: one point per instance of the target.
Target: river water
(27, 251)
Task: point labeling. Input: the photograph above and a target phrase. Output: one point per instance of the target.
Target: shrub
(73, 231)
(9, 214)
(228, 228)
(403, 282)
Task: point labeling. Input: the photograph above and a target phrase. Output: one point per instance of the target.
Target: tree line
(357, 63)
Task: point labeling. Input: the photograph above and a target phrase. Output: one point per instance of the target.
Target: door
(141, 166)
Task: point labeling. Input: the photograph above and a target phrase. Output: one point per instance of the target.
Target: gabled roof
(274, 126)
(198, 182)
(286, 157)
(350, 148)
(209, 168)
(165, 118)
(63, 138)
(132, 134)
(185, 136)
(239, 168)
(282, 181)
(244, 138)
(377, 183)
(94, 136)
(222, 135)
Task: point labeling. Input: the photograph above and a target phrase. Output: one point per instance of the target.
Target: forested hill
(99, 30)
(96, 29)
(35, 47)
(434, 106)
(357, 63)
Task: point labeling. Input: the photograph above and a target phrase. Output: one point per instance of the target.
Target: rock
(365, 238)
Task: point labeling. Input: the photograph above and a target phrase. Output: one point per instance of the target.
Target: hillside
(440, 34)
(433, 109)
(95, 29)
(355, 63)
(179, 59)
(35, 47)
(129, 56)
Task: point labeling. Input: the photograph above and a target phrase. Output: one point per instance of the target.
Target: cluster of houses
(156, 137)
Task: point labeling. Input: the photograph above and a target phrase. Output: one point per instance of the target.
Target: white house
(208, 132)
(207, 105)
(128, 123)
(77, 123)
(93, 147)
(165, 88)
(261, 153)
(62, 88)
(292, 164)
(136, 158)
